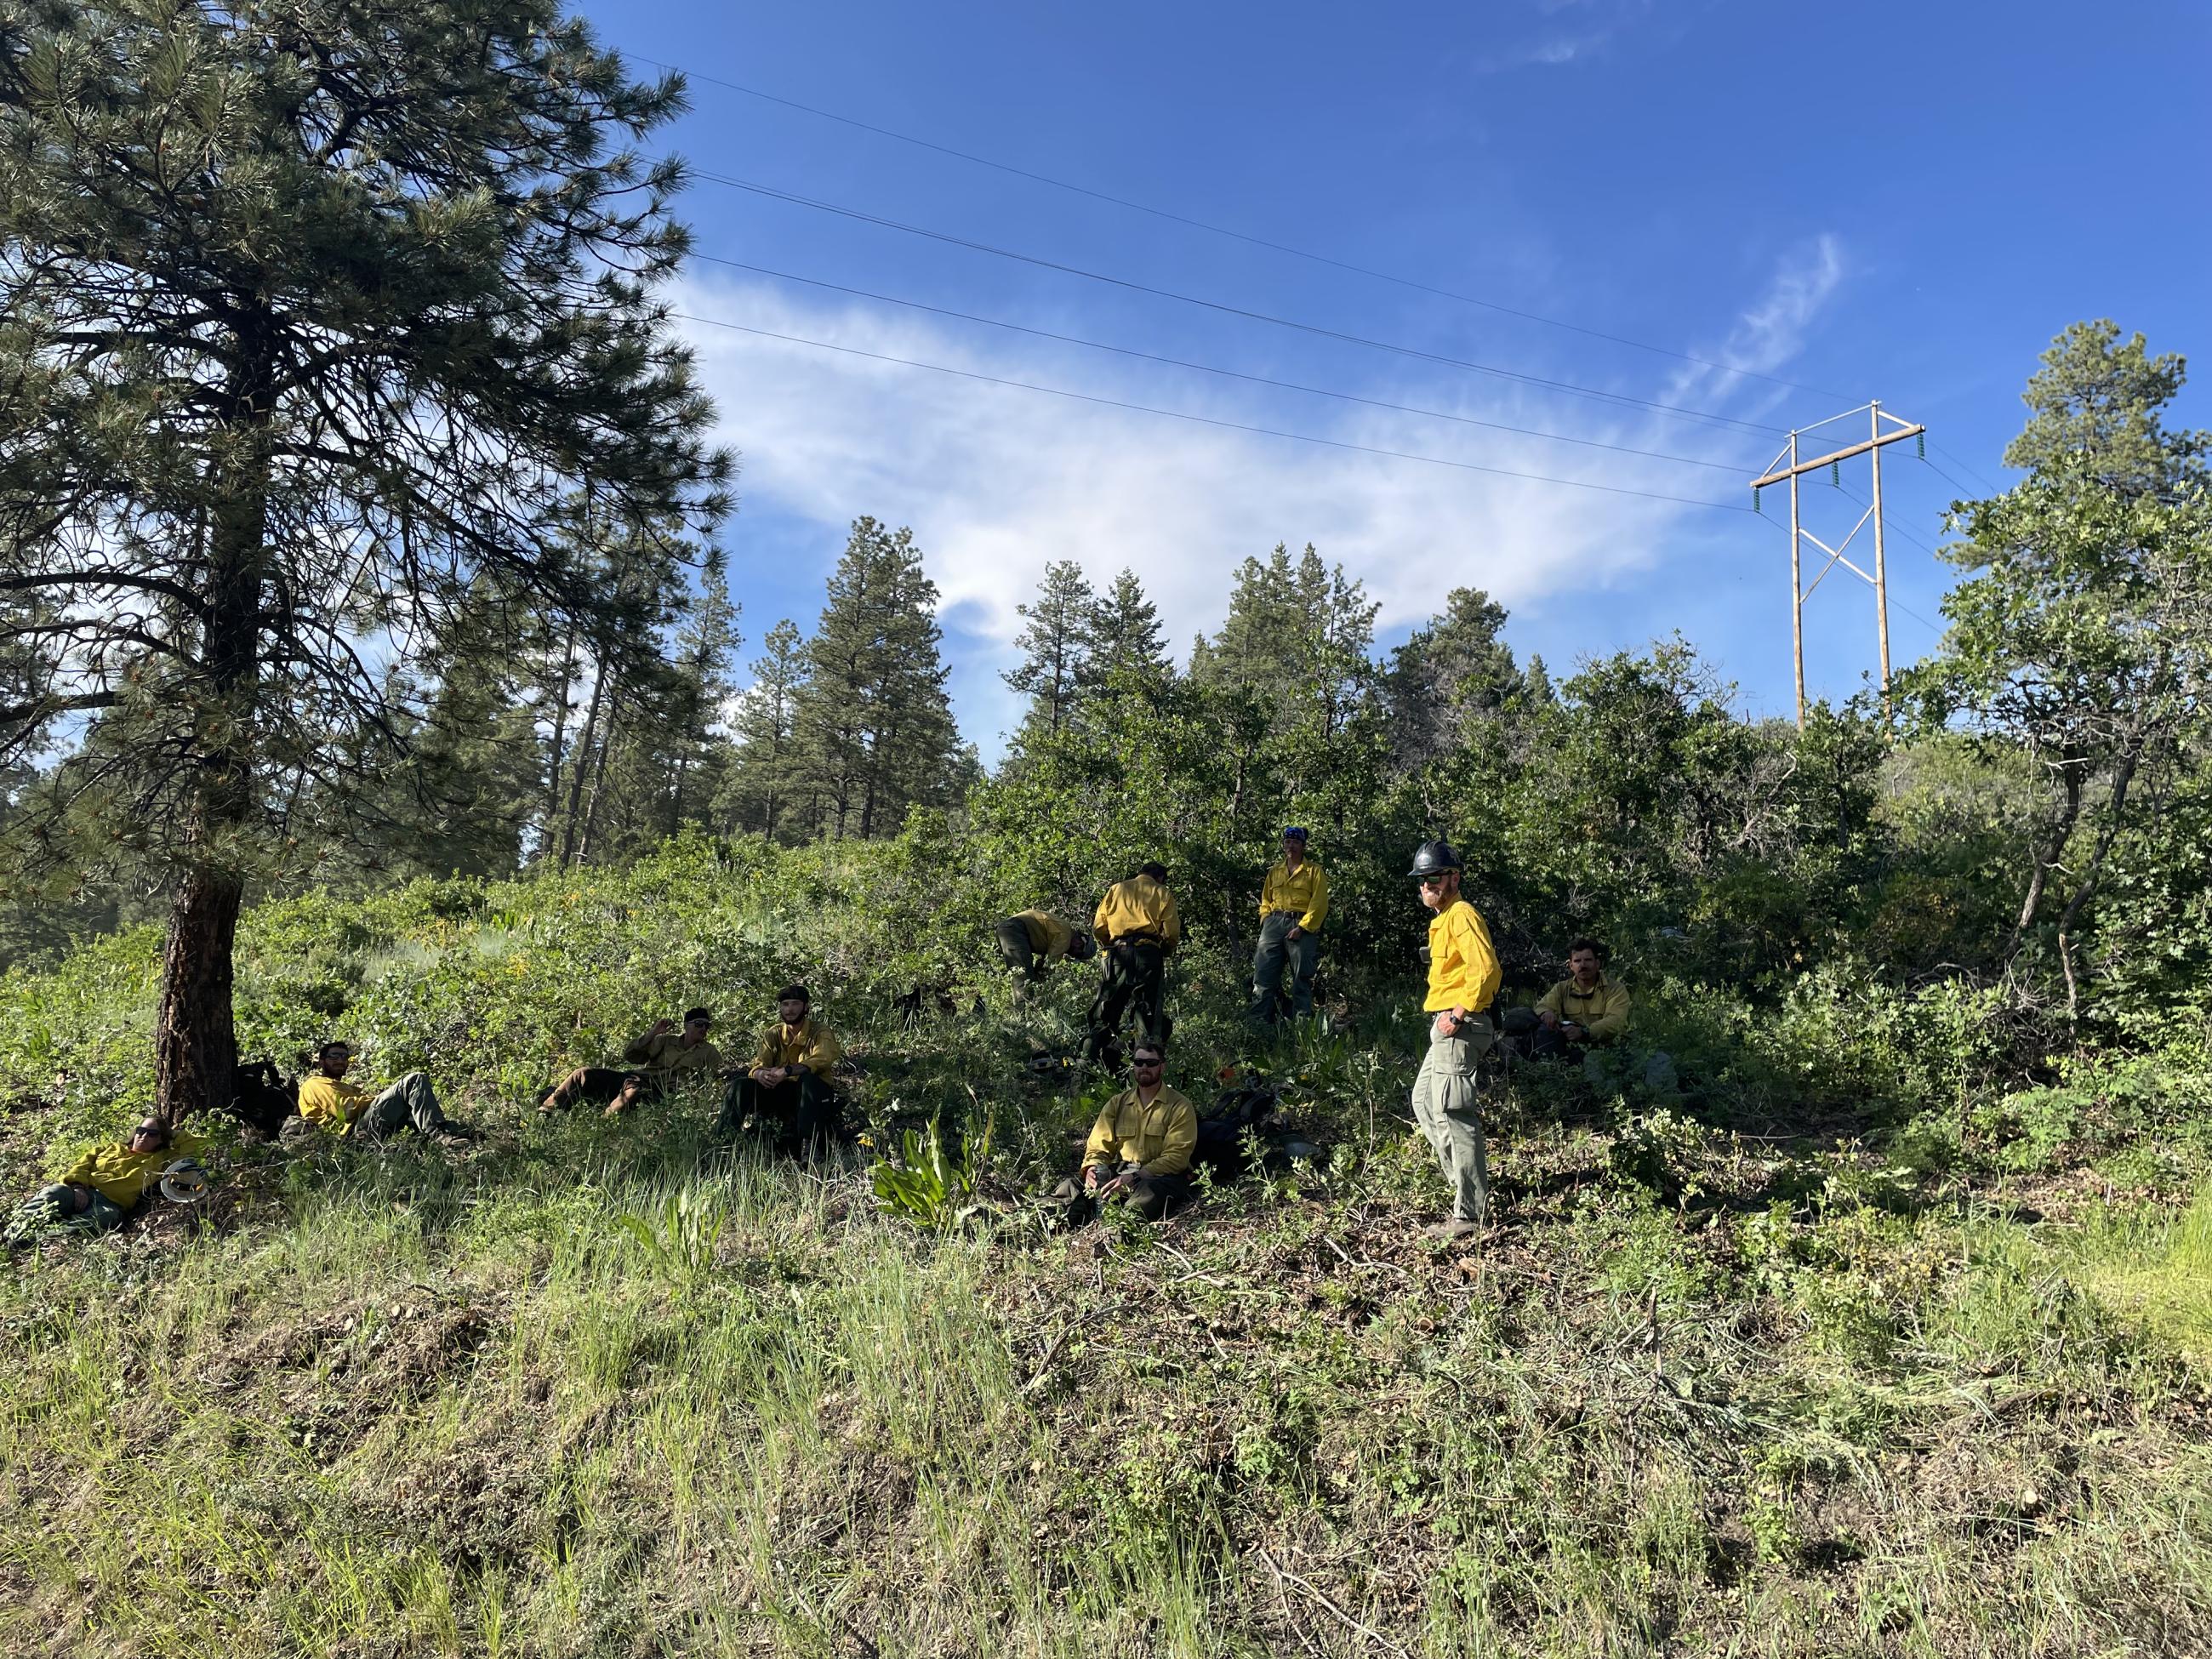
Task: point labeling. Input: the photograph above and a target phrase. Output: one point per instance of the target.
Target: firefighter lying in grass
(106, 1183)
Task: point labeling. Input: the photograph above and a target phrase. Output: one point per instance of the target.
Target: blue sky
(1901, 202)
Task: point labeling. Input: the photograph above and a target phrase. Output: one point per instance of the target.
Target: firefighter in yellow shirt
(1138, 928)
(1140, 1149)
(1293, 900)
(1033, 943)
(333, 1103)
(789, 1089)
(1589, 1008)
(106, 1184)
(1463, 980)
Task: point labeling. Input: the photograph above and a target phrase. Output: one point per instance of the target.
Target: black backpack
(262, 1097)
(1247, 1104)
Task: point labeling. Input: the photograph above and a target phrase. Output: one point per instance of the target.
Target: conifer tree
(875, 727)
(1451, 672)
(1056, 646)
(314, 318)
(706, 645)
(1126, 637)
(765, 789)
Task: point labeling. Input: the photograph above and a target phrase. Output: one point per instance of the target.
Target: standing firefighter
(1033, 943)
(1463, 978)
(1293, 900)
(1138, 925)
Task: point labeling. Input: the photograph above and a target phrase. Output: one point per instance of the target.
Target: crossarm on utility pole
(1813, 465)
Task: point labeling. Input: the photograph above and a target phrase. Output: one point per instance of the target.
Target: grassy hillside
(1842, 1347)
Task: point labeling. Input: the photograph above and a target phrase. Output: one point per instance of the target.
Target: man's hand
(1296, 933)
(797, 1068)
(1448, 1022)
(1092, 1175)
(662, 1027)
(770, 1075)
(1574, 1033)
(1551, 1021)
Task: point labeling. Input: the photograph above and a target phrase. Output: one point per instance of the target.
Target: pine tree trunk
(560, 741)
(599, 782)
(583, 760)
(195, 1042)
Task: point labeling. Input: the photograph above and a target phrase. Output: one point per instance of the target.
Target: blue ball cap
(1294, 834)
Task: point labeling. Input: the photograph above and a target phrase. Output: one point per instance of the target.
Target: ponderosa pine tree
(316, 319)
(875, 728)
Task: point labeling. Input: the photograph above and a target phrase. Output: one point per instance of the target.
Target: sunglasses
(1147, 1065)
(1432, 881)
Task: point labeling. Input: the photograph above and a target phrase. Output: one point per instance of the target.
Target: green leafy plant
(681, 1239)
(929, 1184)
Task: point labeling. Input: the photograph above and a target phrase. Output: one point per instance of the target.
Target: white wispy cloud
(995, 481)
(1570, 31)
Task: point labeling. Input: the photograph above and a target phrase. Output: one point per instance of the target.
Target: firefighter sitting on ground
(665, 1056)
(788, 1090)
(1139, 1151)
(1033, 943)
(329, 1102)
(1138, 927)
(1588, 1008)
(106, 1184)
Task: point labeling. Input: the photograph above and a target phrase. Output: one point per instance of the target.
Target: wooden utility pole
(1791, 465)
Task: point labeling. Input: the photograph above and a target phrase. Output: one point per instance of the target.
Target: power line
(1962, 489)
(1208, 420)
(1210, 368)
(1969, 470)
(1568, 386)
(1236, 235)
(1231, 426)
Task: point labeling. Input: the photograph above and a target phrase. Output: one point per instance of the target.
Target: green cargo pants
(56, 1206)
(1446, 1107)
(409, 1103)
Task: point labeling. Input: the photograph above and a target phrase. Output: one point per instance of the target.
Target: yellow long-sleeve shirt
(1305, 893)
(664, 1052)
(1047, 933)
(1463, 971)
(1161, 1136)
(122, 1177)
(1603, 1010)
(809, 1043)
(331, 1102)
(1139, 905)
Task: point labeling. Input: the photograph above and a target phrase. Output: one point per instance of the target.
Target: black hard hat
(1434, 858)
(1083, 947)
